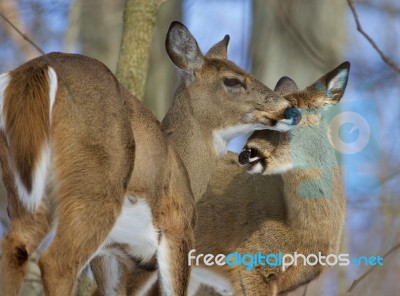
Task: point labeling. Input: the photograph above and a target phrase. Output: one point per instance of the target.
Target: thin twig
(22, 34)
(357, 281)
(50, 60)
(384, 57)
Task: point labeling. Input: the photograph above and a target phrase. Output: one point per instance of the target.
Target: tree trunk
(100, 29)
(139, 20)
(162, 72)
(299, 39)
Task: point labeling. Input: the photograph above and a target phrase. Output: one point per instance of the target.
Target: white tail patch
(32, 200)
(53, 83)
(4, 80)
(164, 265)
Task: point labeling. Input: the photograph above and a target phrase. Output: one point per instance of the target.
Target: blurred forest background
(302, 39)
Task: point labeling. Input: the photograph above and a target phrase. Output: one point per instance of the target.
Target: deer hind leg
(89, 202)
(85, 220)
(25, 235)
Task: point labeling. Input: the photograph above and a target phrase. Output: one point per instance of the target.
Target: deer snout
(252, 157)
(294, 115)
(249, 155)
(244, 156)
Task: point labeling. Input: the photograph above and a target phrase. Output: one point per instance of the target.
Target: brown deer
(85, 156)
(292, 201)
(298, 207)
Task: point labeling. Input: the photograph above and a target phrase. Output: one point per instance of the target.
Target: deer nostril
(244, 156)
(293, 114)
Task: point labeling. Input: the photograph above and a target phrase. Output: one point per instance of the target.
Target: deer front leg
(110, 275)
(176, 240)
(174, 271)
(143, 282)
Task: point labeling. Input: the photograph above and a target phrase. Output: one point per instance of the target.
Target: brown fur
(77, 198)
(107, 148)
(25, 111)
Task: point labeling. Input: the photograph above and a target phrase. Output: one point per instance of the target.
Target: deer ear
(333, 84)
(220, 49)
(285, 86)
(182, 48)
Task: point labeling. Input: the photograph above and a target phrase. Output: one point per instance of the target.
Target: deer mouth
(254, 160)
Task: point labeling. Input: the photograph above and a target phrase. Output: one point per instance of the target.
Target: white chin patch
(223, 136)
(255, 168)
(282, 125)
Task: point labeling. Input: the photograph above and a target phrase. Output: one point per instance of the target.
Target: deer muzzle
(294, 115)
(248, 155)
(255, 162)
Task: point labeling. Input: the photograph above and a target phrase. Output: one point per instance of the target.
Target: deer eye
(232, 82)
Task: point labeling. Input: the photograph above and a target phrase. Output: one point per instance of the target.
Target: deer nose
(244, 156)
(294, 115)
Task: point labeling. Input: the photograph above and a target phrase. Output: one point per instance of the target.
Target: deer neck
(193, 143)
(313, 193)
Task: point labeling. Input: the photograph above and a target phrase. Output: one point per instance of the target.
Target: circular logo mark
(358, 123)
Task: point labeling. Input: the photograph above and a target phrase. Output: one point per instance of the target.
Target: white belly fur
(135, 228)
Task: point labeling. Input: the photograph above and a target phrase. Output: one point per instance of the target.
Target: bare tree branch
(10, 8)
(22, 34)
(357, 281)
(385, 58)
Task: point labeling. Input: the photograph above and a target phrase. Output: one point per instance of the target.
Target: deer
(88, 159)
(282, 193)
(297, 204)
